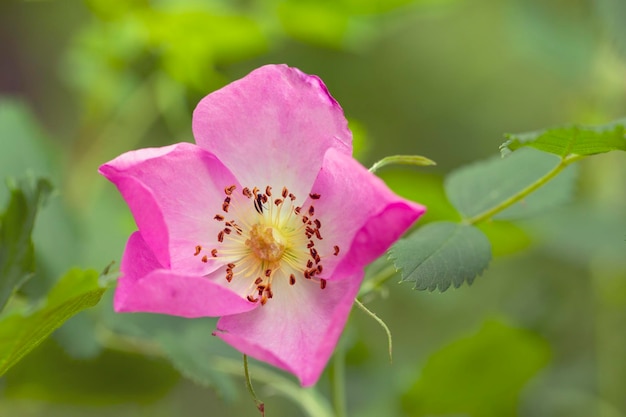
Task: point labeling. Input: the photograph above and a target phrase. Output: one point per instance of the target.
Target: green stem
(377, 280)
(312, 403)
(382, 324)
(259, 404)
(338, 380)
(487, 214)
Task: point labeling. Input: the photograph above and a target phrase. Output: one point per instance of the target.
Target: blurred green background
(541, 333)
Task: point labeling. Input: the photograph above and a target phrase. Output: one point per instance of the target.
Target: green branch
(487, 214)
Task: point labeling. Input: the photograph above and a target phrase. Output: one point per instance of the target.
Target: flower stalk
(260, 405)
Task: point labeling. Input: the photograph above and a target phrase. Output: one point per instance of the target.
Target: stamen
(198, 250)
(258, 205)
(268, 241)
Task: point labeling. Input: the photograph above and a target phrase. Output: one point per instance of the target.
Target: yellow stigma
(265, 243)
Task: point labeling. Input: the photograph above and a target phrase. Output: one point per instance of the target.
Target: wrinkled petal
(173, 193)
(272, 127)
(145, 287)
(359, 214)
(298, 329)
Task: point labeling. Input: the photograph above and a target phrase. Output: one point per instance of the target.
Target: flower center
(265, 243)
(266, 237)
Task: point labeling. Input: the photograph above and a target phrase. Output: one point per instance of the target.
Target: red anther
(318, 234)
(258, 280)
(229, 190)
(268, 272)
(268, 191)
(309, 264)
(205, 259)
(252, 299)
(285, 192)
(297, 210)
(225, 207)
(198, 249)
(231, 265)
(220, 236)
(246, 192)
(219, 217)
(322, 283)
(314, 196)
(278, 201)
(214, 253)
(292, 279)
(305, 219)
(227, 231)
(310, 244)
(311, 211)
(336, 250)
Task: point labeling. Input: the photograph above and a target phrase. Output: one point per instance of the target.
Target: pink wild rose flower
(267, 222)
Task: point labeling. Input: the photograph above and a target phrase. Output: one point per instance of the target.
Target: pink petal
(272, 127)
(174, 192)
(298, 329)
(359, 214)
(145, 287)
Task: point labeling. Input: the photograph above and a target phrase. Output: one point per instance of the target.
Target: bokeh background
(541, 333)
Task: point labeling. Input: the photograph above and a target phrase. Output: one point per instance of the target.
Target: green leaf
(481, 375)
(21, 332)
(571, 140)
(416, 160)
(481, 186)
(17, 260)
(441, 254)
(24, 143)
